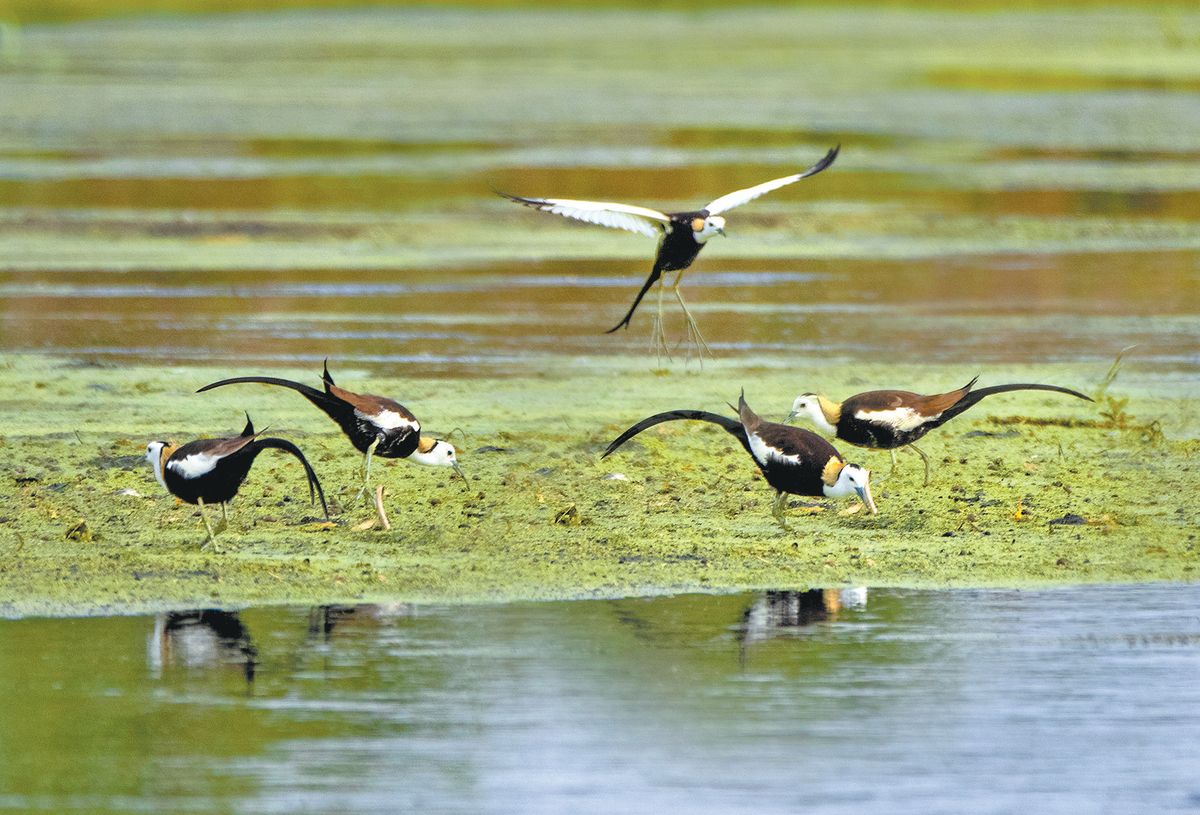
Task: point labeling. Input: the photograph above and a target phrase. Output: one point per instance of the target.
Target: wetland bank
(1028, 489)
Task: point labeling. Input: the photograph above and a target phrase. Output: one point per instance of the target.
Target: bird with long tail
(375, 425)
(888, 420)
(681, 236)
(211, 471)
(793, 460)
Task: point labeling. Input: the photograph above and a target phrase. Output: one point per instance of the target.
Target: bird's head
(818, 410)
(854, 479)
(437, 453)
(157, 453)
(705, 228)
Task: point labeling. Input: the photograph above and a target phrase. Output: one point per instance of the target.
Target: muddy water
(963, 701)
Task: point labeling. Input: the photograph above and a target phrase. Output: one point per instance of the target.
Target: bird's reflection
(324, 620)
(206, 638)
(775, 611)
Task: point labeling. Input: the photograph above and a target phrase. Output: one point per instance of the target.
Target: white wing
(621, 216)
(735, 199)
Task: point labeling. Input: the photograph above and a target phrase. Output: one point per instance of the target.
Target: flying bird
(886, 420)
(681, 235)
(210, 471)
(793, 460)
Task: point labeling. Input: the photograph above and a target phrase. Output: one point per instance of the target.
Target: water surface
(891, 701)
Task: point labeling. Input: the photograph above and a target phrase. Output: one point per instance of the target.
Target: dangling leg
(694, 336)
(893, 452)
(779, 510)
(367, 468)
(658, 334)
(224, 518)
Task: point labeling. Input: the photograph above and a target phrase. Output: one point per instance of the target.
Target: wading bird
(794, 461)
(886, 420)
(681, 235)
(375, 425)
(210, 471)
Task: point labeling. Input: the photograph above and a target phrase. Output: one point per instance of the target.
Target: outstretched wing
(735, 199)
(620, 216)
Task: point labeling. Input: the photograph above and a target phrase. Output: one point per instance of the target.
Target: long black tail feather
(331, 405)
(650, 281)
(973, 397)
(732, 426)
(282, 444)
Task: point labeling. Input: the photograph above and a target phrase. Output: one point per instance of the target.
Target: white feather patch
(736, 199)
(195, 465)
(897, 418)
(764, 453)
(389, 420)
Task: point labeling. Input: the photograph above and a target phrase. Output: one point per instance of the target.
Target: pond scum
(1028, 488)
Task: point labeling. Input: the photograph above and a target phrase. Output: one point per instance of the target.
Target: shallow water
(962, 701)
(266, 189)
(511, 318)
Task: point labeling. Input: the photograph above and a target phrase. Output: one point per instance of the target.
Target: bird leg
(779, 510)
(367, 468)
(658, 335)
(379, 507)
(212, 536)
(926, 459)
(694, 336)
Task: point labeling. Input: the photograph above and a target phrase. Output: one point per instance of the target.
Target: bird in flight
(681, 236)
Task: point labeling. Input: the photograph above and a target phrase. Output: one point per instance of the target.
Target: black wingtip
(824, 162)
(529, 202)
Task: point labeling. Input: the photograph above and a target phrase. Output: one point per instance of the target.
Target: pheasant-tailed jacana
(681, 235)
(375, 425)
(210, 471)
(886, 420)
(793, 460)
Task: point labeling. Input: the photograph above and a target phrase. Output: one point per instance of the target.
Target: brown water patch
(359, 192)
(998, 309)
(1001, 80)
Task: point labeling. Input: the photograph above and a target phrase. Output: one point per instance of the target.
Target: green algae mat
(1028, 488)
